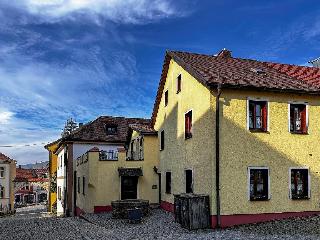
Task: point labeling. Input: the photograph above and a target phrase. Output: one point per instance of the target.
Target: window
(259, 184)
(168, 182)
(298, 118)
(78, 184)
(83, 185)
(141, 149)
(59, 193)
(179, 83)
(1, 191)
(189, 182)
(111, 129)
(299, 184)
(1, 172)
(258, 115)
(166, 98)
(162, 140)
(188, 125)
(61, 160)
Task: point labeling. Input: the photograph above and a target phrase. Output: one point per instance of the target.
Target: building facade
(107, 133)
(7, 175)
(103, 177)
(242, 132)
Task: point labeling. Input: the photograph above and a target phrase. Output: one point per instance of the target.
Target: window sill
(258, 131)
(259, 199)
(300, 133)
(178, 91)
(188, 136)
(109, 160)
(161, 149)
(168, 193)
(135, 160)
(300, 198)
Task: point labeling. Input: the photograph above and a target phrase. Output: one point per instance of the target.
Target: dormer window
(111, 129)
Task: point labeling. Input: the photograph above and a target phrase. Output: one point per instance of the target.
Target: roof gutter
(218, 155)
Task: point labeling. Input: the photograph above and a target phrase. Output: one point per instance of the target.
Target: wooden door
(129, 187)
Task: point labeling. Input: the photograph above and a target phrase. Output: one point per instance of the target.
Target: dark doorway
(129, 187)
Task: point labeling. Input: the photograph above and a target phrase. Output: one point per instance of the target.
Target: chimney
(224, 53)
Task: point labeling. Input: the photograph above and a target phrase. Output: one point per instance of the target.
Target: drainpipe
(218, 156)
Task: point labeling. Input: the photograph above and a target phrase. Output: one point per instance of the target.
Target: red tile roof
(5, 159)
(230, 72)
(95, 131)
(30, 175)
(143, 128)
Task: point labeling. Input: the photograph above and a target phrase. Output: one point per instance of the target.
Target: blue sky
(82, 59)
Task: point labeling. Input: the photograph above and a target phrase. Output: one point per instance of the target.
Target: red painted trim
(99, 209)
(79, 211)
(239, 219)
(169, 207)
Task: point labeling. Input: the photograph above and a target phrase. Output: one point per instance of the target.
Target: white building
(7, 175)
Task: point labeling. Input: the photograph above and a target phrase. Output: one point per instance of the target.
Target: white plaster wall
(61, 181)
(6, 183)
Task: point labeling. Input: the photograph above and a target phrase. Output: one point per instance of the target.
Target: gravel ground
(34, 223)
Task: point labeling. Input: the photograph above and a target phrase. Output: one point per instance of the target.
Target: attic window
(257, 71)
(111, 129)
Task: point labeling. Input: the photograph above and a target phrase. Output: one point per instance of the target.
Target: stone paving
(35, 223)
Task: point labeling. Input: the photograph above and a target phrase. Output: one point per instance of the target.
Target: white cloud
(5, 116)
(121, 11)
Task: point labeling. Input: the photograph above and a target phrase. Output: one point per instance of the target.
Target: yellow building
(104, 176)
(7, 176)
(243, 132)
(52, 202)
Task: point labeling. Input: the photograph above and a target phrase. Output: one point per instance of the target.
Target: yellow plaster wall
(104, 180)
(197, 153)
(278, 149)
(53, 158)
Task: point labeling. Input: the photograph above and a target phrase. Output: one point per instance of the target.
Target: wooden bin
(192, 211)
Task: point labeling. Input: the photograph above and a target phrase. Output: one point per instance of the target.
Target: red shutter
(265, 117)
(304, 120)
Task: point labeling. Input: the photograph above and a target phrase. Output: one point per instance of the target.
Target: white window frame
(184, 125)
(2, 188)
(248, 180)
(268, 111)
(309, 181)
(307, 114)
(3, 172)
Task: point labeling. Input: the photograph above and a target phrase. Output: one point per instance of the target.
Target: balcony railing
(108, 156)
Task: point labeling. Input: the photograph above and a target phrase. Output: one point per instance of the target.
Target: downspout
(218, 156)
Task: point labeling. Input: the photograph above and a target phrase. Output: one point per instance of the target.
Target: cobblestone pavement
(35, 223)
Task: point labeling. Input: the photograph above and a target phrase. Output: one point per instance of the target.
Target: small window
(1, 191)
(168, 182)
(179, 83)
(299, 183)
(78, 184)
(83, 185)
(166, 98)
(298, 118)
(132, 150)
(1, 172)
(188, 125)
(189, 181)
(162, 140)
(258, 116)
(111, 129)
(259, 184)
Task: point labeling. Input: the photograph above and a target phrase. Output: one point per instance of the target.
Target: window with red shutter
(188, 125)
(258, 116)
(298, 118)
